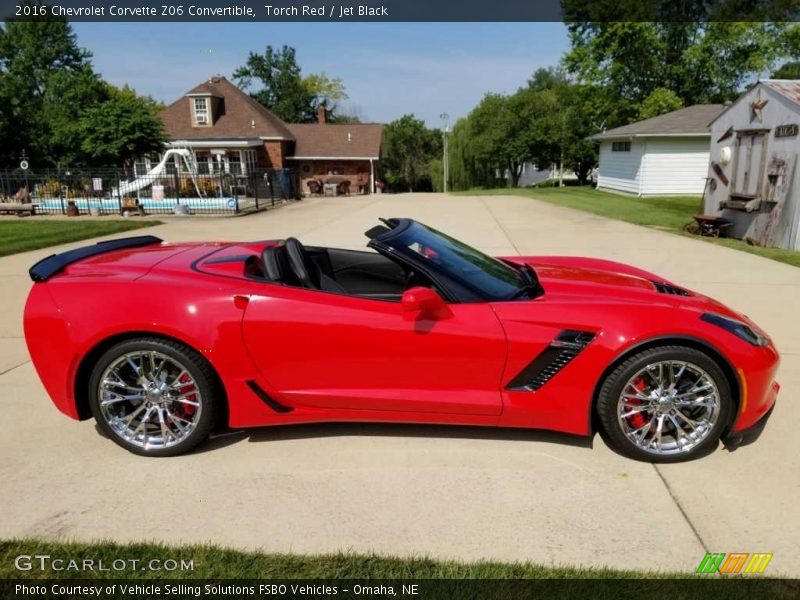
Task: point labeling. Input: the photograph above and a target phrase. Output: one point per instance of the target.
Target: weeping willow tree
(491, 145)
(466, 169)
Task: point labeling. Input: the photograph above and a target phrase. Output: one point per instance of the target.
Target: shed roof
(787, 88)
(690, 121)
(790, 88)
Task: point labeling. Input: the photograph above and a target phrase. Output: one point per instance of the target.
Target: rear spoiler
(47, 267)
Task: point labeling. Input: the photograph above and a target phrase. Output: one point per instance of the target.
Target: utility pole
(445, 163)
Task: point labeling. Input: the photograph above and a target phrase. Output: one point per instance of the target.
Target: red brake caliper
(188, 409)
(637, 419)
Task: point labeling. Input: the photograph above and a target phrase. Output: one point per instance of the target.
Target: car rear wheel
(665, 404)
(153, 397)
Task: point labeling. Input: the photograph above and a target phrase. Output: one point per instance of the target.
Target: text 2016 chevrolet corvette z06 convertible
(158, 342)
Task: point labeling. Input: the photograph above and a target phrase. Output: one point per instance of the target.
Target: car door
(330, 351)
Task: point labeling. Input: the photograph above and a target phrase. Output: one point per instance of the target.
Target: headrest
(276, 266)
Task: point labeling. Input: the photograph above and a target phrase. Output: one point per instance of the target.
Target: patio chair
(22, 196)
(315, 187)
(343, 188)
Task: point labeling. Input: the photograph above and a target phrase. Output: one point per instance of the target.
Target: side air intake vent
(566, 346)
(665, 288)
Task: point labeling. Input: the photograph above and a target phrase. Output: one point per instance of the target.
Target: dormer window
(201, 112)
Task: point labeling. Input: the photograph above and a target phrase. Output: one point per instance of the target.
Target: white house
(665, 155)
(754, 148)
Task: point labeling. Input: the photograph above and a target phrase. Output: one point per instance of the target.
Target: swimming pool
(111, 205)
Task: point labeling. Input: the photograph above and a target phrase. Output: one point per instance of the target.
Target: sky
(389, 69)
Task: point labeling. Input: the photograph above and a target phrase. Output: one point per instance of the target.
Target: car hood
(561, 275)
(592, 280)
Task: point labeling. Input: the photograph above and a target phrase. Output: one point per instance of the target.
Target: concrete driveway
(458, 493)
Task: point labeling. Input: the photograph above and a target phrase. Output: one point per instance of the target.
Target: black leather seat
(306, 270)
(276, 265)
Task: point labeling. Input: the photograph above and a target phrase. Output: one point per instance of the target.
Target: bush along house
(227, 131)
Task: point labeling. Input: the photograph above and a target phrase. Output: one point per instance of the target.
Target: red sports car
(160, 342)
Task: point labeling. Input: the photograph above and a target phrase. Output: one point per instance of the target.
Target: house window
(201, 111)
(203, 164)
(620, 146)
(235, 163)
(250, 160)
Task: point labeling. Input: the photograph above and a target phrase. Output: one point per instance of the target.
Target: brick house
(230, 132)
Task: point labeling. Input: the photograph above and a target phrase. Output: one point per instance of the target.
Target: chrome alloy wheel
(668, 407)
(149, 399)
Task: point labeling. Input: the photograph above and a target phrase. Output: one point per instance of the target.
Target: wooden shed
(752, 163)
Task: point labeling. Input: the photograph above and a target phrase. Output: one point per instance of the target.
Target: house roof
(238, 116)
(204, 89)
(691, 121)
(336, 140)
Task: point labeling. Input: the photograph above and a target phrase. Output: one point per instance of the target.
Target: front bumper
(736, 439)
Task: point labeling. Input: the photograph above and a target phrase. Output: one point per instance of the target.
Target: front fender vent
(566, 346)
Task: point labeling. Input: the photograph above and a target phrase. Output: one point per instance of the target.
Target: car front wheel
(153, 397)
(665, 404)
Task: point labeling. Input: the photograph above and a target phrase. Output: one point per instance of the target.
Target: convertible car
(162, 342)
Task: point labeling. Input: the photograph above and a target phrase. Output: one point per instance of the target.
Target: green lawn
(436, 580)
(211, 562)
(21, 236)
(669, 213)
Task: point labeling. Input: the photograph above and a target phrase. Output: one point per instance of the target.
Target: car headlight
(737, 328)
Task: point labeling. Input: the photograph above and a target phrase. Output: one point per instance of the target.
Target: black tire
(208, 396)
(611, 391)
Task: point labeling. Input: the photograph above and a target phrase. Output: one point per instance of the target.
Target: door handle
(240, 301)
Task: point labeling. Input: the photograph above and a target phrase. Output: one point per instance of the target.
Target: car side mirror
(426, 303)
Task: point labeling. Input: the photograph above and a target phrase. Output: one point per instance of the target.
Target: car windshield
(487, 276)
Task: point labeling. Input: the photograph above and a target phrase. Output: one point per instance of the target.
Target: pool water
(112, 204)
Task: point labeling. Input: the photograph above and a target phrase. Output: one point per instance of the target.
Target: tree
(789, 70)
(548, 78)
(659, 102)
(699, 61)
(122, 128)
(504, 131)
(465, 169)
(32, 55)
(499, 136)
(409, 148)
(68, 97)
(586, 110)
(56, 108)
(284, 90)
(324, 91)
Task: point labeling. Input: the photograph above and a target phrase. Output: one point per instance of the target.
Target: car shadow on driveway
(279, 433)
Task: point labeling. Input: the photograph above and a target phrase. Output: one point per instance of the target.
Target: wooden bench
(18, 209)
